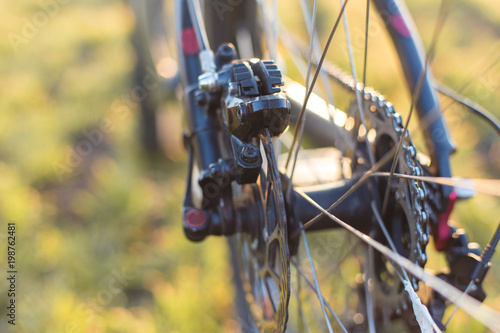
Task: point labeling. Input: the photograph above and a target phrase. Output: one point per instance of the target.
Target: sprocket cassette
(407, 220)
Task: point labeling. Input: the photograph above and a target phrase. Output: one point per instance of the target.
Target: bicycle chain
(416, 205)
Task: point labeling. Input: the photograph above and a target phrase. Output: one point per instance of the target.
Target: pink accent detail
(399, 24)
(195, 218)
(189, 41)
(443, 229)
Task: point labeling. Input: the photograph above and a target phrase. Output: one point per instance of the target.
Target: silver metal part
(207, 60)
(209, 80)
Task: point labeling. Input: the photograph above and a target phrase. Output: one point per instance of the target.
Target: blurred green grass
(100, 246)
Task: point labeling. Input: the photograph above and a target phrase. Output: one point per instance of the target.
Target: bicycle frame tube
(204, 126)
(405, 37)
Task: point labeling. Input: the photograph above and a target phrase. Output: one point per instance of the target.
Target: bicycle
(391, 199)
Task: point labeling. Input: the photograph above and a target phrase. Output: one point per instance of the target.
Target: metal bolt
(250, 153)
(225, 54)
(234, 88)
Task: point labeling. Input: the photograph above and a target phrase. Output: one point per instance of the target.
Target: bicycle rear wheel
(368, 289)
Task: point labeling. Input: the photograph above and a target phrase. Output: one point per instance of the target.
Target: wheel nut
(250, 153)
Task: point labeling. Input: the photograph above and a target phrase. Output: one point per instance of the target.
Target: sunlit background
(99, 241)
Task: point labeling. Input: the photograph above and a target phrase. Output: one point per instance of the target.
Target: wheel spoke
(480, 185)
(357, 91)
(470, 105)
(267, 26)
(365, 59)
(312, 32)
(368, 253)
(469, 286)
(296, 292)
(417, 305)
(316, 283)
(348, 252)
(311, 286)
(404, 269)
(381, 224)
(301, 121)
(299, 130)
(274, 42)
(481, 312)
(315, 47)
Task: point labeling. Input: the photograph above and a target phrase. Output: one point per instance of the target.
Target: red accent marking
(189, 41)
(442, 232)
(195, 218)
(399, 24)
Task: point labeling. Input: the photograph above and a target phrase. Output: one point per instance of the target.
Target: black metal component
(254, 102)
(463, 260)
(269, 75)
(225, 54)
(249, 161)
(437, 304)
(467, 270)
(247, 117)
(244, 169)
(483, 266)
(354, 210)
(195, 223)
(215, 179)
(250, 153)
(243, 76)
(199, 223)
(204, 127)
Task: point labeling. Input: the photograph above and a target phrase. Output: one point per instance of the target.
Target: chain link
(412, 195)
